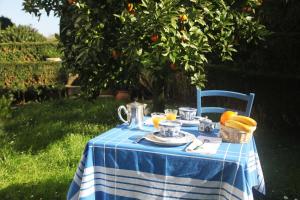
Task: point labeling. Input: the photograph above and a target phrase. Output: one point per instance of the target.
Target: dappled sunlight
(55, 188)
(35, 126)
(48, 172)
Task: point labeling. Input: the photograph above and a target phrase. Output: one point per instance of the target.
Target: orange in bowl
(226, 116)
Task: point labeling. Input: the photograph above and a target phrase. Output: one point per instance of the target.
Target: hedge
(28, 51)
(21, 33)
(23, 75)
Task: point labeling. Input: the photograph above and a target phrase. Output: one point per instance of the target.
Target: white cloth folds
(204, 145)
(148, 122)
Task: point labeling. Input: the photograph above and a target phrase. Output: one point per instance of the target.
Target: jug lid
(135, 104)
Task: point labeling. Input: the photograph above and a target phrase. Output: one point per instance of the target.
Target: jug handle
(120, 113)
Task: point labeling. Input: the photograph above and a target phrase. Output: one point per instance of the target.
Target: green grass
(41, 145)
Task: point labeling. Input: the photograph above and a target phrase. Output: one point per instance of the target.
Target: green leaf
(139, 52)
(172, 58)
(174, 22)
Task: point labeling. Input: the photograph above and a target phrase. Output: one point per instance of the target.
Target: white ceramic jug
(135, 114)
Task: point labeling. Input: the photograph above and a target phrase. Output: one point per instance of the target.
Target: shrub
(5, 22)
(20, 33)
(5, 103)
(22, 75)
(28, 51)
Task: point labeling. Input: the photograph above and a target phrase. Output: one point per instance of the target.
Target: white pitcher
(135, 114)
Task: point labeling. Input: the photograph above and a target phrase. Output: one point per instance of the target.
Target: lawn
(41, 144)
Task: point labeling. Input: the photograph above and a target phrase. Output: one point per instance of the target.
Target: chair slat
(219, 110)
(224, 93)
(249, 98)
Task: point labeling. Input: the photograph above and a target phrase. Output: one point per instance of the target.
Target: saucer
(181, 139)
(194, 122)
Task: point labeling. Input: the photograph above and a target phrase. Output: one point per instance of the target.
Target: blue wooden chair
(249, 98)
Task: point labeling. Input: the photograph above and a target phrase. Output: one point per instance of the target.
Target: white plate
(170, 141)
(194, 122)
(188, 122)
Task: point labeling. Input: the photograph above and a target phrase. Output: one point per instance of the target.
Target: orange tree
(166, 36)
(147, 41)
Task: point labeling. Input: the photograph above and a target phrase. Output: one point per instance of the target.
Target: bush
(21, 75)
(5, 22)
(29, 51)
(5, 102)
(20, 33)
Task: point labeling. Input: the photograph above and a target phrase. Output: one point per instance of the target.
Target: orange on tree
(115, 54)
(130, 7)
(172, 66)
(71, 2)
(247, 9)
(183, 18)
(226, 116)
(154, 37)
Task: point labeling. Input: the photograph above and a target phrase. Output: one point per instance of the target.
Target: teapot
(206, 125)
(135, 114)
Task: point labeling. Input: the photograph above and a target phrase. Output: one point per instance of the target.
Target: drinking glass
(171, 114)
(156, 118)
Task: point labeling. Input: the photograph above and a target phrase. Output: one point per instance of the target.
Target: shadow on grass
(280, 160)
(33, 127)
(50, 189)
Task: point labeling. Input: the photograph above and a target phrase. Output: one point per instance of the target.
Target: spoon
(198, 147)
(139, 139)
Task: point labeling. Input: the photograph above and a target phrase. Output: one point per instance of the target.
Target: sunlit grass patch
(41, 145)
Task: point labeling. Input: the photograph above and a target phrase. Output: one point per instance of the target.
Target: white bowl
(169, 128)
(187, 113)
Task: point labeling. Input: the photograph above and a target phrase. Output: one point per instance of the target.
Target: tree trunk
(158, 95)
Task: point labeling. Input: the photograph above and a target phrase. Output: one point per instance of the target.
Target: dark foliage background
(5, 22)
(271, 71)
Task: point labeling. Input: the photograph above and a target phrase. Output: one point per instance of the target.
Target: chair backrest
(249, 98)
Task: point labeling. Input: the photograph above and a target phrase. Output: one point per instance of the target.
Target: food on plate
(226, 116)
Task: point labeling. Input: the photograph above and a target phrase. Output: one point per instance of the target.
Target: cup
(169, 128)
(187, 113)
(206, 125)
(156, 118)
(171, 114)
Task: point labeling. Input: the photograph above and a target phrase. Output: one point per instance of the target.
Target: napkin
(148, 122)
(204, 145)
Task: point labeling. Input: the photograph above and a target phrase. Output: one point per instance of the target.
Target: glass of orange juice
(171, 114)
(156, 118)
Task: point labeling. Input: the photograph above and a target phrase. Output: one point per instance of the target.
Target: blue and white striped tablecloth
(114, 167)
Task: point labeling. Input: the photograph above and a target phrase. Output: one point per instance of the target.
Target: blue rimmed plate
(181, 139)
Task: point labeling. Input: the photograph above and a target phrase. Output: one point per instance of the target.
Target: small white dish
(193, 122)
(181, 139)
